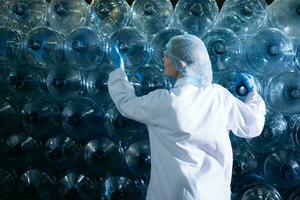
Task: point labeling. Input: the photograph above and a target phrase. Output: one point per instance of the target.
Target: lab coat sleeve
(246, 119)
(128, 104)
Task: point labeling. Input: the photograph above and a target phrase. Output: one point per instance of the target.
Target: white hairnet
(190, 51)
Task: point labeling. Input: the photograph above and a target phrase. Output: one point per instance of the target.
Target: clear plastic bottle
(133, 45)
(196, 16)
(151, 16)
(261, 192)
(294, 128)
(84, 48)
(65, 15)
(44, 47)
(9, 117)
(269, 52)
(283, 93)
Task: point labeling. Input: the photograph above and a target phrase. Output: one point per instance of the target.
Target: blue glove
(117, 60)
(247, 80)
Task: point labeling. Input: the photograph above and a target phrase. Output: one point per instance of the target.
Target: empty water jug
(261, 192)
(84, 48)
(275, 129)
(65, 15)
(109, 15)
(77, 186)
(10, 46)
(270, 51)
(138, 158)
(294, 125)
(132, 45)
(103, 156)
(62, 153)
(282, 167)
(35, 185)
(25, 15)
(82, 119)
(8, 180)
(285, 15)
(283, 93)
(243, 17)
(9, 117)
(159, 42)
(223, 48)
(40, 118)
(44, 47)
(151, 16)
(196, 16)
(65, 83)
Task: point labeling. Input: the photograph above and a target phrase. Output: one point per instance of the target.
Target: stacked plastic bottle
(61, 136)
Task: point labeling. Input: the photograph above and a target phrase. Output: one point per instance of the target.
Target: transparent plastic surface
(159, 42)
(103, 155)
(8, 178)
(25, 15)
(119, 127)
(261, 192)
(35, 184)
(196, 16)
(283, 93)
(110, 15)
(82, 119)
(138, 158)
(243, 17)
(282, 168)
(62, 152)
(275, 129)
(270, 51)
(223, 49)
(64, 83)
(10, 43)
(119, 187)
(77, 186)
(294, 125)
(44, 47)
(84, 48)
(9, 117)
(151, 16)
(296, 63)
(40, 118)
(65, 15)
(285, 16)
(132, 45)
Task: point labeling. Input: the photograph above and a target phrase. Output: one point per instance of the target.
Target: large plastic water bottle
(270, 51)
(84, 48)
(9, 117)
(97, 84)
(223, 48)
(25, 15)
(132, 45)
(119, 187)
(65, 15)
(282, 167)
(285, 16)
(44, 47)
(196, 16)
(149, 78)
(121, 128)
(159, 42)
(78, 186)
(103, 156)
(244, 162)
(151, 16)
(8, 179)
(35, 184)
(40, 118)
(283, 93)
(109, 15)
(22, 151)
(10, 46)
(243, 17)
(65, 83)
(261, 192)
(62, 153)
(82, 119)
(138, 158)
(294, 125)
(274, 131)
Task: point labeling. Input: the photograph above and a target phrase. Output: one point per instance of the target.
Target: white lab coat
(191, 153)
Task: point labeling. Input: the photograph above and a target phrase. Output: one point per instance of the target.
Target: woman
(191, 153)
